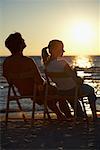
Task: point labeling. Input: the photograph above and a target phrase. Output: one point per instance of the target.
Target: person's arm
(72, 73)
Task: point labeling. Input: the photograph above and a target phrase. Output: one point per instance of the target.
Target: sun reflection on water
(85, 67)
(83, 61)
(82, 74)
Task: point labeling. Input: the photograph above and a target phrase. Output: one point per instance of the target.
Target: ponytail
(45, 55)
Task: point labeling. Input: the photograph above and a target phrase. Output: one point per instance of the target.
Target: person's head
(15, 43)
(56, 48)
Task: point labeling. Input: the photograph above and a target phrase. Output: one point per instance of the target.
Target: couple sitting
(17, 63)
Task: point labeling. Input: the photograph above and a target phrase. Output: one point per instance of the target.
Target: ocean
(88, 67)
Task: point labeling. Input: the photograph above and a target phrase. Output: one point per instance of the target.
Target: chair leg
(85, 114)
(7, 110)
(33, 110)
(20, 107)
(44, 117)
(46, 112)
(93, 109)
(48, 115)
(45, 104)
(7, 106)
(75, 105)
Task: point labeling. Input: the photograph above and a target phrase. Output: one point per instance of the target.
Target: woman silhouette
(55, 62)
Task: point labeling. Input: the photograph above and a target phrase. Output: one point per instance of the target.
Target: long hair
(45, 55)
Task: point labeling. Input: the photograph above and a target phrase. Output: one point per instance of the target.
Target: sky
(75, 22)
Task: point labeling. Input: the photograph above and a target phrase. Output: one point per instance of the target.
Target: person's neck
(54, 57)
(18, 54)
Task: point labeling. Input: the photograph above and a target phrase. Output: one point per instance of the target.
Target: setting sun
(82, 32)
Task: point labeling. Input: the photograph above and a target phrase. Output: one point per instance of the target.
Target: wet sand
(50, 135)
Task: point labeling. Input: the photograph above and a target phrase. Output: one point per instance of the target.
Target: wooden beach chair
(49, 76)
(13, 95)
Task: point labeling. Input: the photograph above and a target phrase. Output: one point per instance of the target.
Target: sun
(79, 38)
(82, 33)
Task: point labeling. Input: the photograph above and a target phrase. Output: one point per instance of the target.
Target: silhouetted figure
(56, 63)
(17, 64)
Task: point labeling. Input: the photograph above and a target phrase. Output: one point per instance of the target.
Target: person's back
(19, 67)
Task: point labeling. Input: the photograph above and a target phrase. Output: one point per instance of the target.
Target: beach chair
(49, 76)
(14, 95)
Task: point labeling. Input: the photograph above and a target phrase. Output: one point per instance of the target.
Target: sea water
(87, 66)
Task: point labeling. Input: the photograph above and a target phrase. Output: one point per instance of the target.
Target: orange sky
(75, 22)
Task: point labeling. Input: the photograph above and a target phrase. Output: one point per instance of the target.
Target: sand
(50, 135)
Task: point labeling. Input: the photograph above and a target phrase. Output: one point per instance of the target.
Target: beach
(53, 135)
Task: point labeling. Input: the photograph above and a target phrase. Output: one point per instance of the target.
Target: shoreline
(17, 115)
